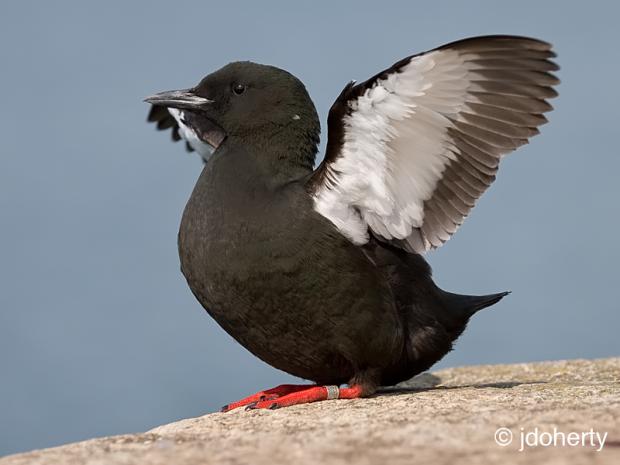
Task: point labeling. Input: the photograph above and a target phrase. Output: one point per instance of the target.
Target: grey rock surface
(450, 416)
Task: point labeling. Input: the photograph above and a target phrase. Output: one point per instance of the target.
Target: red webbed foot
(269, 394)
(288, 394)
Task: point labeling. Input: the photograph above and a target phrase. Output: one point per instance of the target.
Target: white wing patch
(202, 148)
(403, 132)
(403, 113)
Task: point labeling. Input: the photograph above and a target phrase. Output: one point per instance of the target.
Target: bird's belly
(277, 278)
(265, 293)
(266, 309)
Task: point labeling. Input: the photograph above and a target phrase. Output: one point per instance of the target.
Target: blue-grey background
(99, 333)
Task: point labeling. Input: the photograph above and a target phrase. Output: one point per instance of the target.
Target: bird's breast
(237, 237)
(279, 278)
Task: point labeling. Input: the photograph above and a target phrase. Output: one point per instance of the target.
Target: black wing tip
(156, 113)
(524, 42)
(544, 49)
(530, 42)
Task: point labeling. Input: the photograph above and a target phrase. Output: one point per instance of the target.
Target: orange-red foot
(293, 394)
(269, 394)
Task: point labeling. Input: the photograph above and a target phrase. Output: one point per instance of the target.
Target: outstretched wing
(411, 150)
(164, 120)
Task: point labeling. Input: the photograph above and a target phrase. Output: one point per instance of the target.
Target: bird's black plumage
(279, 275)
(296, 293)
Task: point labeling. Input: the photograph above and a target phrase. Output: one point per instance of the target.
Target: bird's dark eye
(238, 89)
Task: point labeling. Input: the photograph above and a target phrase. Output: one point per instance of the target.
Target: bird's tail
(467, 305)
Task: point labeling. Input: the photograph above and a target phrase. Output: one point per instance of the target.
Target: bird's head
(256, 103)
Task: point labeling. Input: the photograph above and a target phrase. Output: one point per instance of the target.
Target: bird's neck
(285, 153)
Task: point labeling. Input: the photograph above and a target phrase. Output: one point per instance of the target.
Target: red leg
(310, 394)
(269, 394)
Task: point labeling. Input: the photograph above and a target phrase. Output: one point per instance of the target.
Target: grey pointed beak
(182, 99)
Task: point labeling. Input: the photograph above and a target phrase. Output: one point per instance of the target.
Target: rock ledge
(445, 417)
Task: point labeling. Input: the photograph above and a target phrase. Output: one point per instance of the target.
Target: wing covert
(412, 149)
